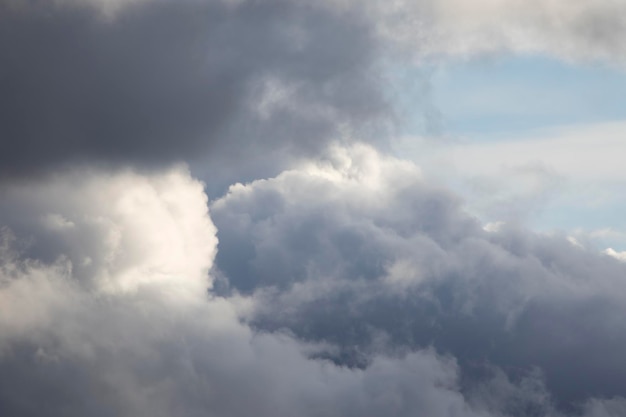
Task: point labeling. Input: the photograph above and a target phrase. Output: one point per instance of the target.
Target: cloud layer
(343, 284)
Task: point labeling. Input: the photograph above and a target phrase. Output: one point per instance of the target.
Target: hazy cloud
(571, 30)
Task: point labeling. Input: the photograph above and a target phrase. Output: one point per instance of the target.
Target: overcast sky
(332, 208)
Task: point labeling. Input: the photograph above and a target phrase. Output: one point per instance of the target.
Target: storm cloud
(154, 81)
(158, 82)
(333, 279)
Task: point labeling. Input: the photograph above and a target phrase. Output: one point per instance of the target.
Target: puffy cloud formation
(358, 254)
(114, 317)
(115, 232)
(362, 290)
(342, 285)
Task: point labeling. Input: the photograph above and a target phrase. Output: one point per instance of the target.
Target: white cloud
(617, 255)
(120, 232)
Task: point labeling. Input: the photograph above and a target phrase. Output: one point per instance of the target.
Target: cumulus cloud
(118, 320)
(342, 285)
(361, 288)
(384, 263)
(115, 230)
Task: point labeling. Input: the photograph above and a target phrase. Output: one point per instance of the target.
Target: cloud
(360, 289)
(344, 285)
(577, 30)
(114, 318)
(531, 177)
(617, 255)
(591, 152)
(161, 81)
(154, 81)
(114, 232)
(385, 263)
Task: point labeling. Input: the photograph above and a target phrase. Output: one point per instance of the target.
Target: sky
(493, 146)
(334, 208)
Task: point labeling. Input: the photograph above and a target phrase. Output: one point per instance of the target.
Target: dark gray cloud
(155, 81)
(162, 81)
(222, 82)
(366, 257)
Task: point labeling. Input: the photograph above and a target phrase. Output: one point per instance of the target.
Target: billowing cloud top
(366, 257)
(387, 298)
(333, 279)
